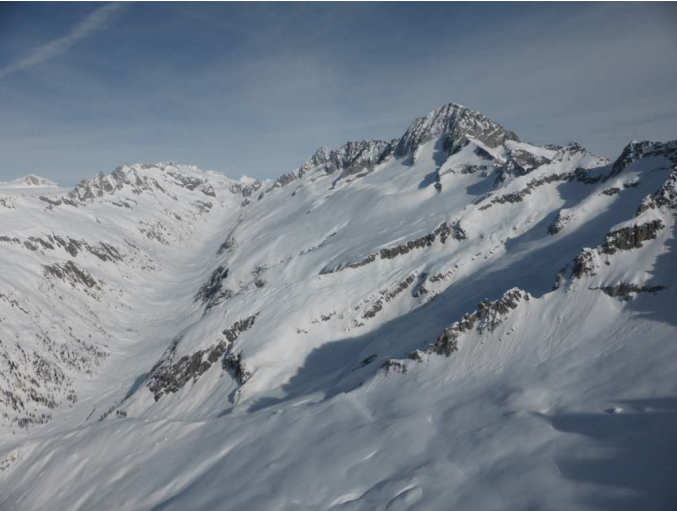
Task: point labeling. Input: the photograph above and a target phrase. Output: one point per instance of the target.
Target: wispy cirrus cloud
(95, 21)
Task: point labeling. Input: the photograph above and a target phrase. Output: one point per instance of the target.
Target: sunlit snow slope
(454, 319)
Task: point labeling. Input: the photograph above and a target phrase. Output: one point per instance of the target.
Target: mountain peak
(30, 181)
(453, 123)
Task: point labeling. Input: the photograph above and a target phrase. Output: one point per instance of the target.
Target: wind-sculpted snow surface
(451, 320)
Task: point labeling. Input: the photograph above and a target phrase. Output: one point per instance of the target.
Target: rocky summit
(422, 323)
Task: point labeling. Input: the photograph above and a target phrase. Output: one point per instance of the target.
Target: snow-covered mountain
(29, 181)
(455, 319)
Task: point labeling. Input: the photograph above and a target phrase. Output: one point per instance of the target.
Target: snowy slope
(451, 320)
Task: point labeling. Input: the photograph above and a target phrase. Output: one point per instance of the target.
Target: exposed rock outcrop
(444, 231)
(101, 250)
(561, 220)
(666, 195)
(394, 366)
(645, 149)
(169, 375)
(388, 295)
(519, 163)
(611, 191)
(350, 158)
(625, 290)
(487, 317)
(240, 326)
(211, 293)
(247, 190)
(73, 274)
(629, 238)
(584, 263)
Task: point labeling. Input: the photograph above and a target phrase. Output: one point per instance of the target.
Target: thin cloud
(95, 21)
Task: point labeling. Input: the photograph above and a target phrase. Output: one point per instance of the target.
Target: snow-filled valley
(455, 319)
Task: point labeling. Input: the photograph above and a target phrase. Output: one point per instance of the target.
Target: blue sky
(255, 88)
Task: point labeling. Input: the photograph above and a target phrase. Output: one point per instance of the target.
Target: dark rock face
(226, 245)
(394, 366)
(575, 149)
(285, 179)
(387, 296)
(367, 260)
(202, 206)
(565, 152)
(611, 191)
(416, 355)
(169, 376)
(316, 161)
(155, 231)
(519, 163)
(424, 241)
(630, 153)
(349, 159)
(8, 203)
(666, 196)
(488, 316)
(580, 175)
(234, 364)
(58, 202)
(444, 231)
(133, 180)
(637, 150)
(470, 169)
(12, 241)
(246, 190)
(454, 124)
(625, 290)
(515, 197)
(240, 326)
(420, 288)
(584, 263)
(552, 147)
(191, 183)
(211, 293)
(629, 238)
(558, 224)
(73, 274)
(101, 250)
(101, 185)
(560, 278)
